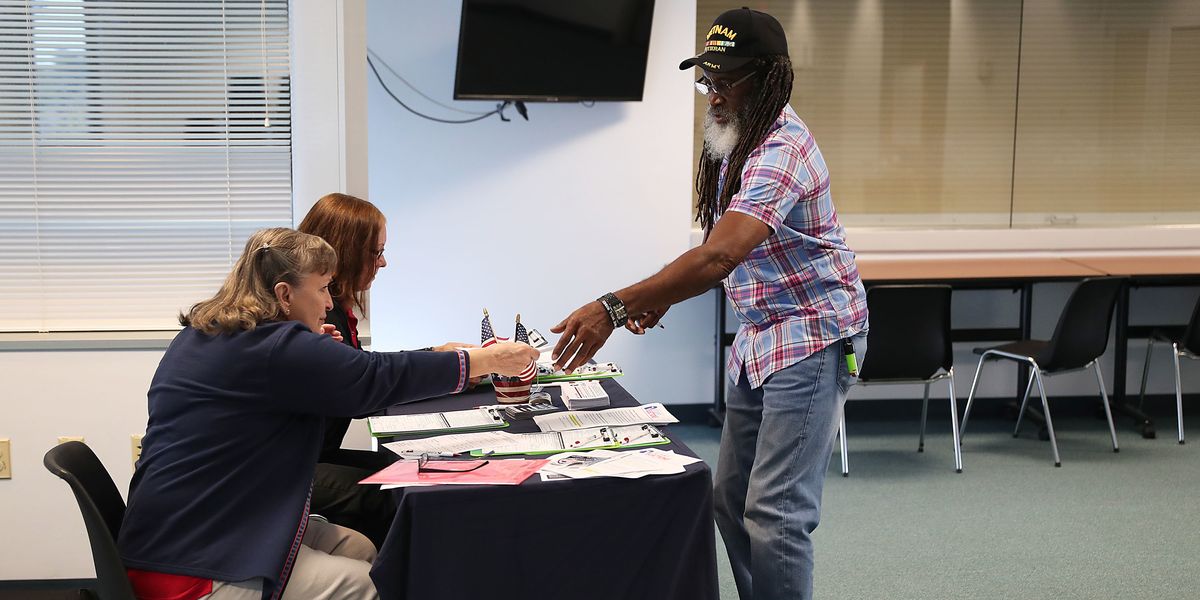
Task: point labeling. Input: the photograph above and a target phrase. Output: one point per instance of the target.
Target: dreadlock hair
(771, 95)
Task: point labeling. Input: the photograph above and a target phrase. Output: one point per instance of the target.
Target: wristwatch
(615, 309)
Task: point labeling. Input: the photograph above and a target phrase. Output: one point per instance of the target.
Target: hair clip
(264, 246)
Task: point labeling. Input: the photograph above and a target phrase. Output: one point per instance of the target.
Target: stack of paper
(583, 395)
(609, 463)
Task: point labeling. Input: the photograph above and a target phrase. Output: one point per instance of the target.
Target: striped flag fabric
(523, 336)
(487, 335)
(508, 389)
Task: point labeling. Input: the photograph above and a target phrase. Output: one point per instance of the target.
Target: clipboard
(596, 438)
(639, 436)
(474, 419)
(627, 436)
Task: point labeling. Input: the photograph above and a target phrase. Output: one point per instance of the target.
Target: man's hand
(640, 323)
(583, 333)
(331, 331)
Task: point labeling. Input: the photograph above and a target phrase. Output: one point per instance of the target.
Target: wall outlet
(5, 459)
(62, 439)
(135, 447)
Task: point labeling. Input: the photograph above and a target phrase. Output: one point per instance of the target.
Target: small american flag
(508, 388)
(523, 337)
(487, 334)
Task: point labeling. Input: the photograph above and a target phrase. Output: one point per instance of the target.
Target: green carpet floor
(904, 525)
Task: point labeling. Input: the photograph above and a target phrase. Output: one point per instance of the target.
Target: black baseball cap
(737, 37)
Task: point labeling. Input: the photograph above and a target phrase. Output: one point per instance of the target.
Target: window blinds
(140, 144)
(998, 113)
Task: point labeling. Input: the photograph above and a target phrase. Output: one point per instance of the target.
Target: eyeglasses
(706, 86)
(425, 465)
(379, 253)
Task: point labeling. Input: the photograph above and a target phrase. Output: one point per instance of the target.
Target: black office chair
(103, 511)
(1079, 339)
(909, 342)
(1184, 343)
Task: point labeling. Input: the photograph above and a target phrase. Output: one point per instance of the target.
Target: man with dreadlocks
(772, 235)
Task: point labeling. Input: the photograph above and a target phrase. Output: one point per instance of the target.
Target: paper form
(458, 419)
(522, 443)
(449, 444)
(630, 415)
(605, 463)
(496, 472)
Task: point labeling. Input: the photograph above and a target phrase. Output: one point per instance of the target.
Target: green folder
(577, 377)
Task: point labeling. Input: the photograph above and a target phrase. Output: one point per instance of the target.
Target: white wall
(534, 217)
(90, 389)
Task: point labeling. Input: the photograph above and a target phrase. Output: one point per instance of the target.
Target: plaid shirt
(799, 290)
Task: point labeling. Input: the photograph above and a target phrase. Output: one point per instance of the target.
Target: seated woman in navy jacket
(219, 502)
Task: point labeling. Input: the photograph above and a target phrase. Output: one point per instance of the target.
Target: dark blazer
(236, 423)
(335, 427)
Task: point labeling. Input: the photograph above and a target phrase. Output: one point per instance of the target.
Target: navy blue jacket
(236, 424)
(336, 427)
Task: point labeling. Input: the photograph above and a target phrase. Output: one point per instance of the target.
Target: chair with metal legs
(1185, 343)
(909, 342)
(1079, 339)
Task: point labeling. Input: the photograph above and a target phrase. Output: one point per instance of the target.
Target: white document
(655, 414)
(449, 444)
(573, 465)
(525, 443)
(659, 461)
(458, 419)
(607, 463)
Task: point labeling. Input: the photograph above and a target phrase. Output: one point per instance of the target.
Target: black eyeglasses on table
(427, 464)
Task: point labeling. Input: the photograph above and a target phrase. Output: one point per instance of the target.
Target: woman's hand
(450, 346)
(331, 331)
(503, 358)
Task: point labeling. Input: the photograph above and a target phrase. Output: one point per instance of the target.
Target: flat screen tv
(553, 50)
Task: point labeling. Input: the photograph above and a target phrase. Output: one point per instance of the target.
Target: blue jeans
(775, 450)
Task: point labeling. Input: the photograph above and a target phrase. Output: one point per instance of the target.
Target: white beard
(720, 139)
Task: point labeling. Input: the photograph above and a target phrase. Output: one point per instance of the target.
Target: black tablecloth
(606, 538)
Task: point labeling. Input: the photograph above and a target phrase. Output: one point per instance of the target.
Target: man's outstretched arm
(696, 271)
